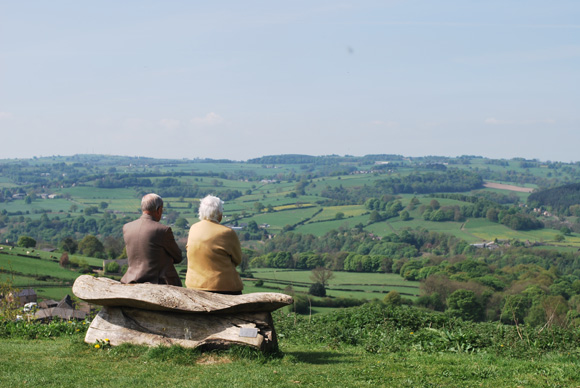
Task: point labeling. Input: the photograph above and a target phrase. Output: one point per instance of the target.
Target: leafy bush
(37, 330)
(317, 289)
(380, 328)
(112, 267)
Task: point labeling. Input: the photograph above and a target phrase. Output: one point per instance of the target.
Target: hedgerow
(380, 328)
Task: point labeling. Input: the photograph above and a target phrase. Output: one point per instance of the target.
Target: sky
(243, 79)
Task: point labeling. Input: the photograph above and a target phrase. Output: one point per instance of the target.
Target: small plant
(9, 301)
(102, 344)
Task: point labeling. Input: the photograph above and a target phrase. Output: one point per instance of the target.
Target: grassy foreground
(373, 345)
(68, 362)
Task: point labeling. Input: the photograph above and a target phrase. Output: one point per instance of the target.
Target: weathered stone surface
(153, 328)
(152, 314)
(108, 292)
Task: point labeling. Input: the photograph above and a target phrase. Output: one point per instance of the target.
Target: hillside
(442, 225)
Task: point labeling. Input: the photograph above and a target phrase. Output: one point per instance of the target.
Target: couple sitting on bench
(213, 250)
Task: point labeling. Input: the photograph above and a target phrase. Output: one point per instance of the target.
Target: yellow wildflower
(97, 346)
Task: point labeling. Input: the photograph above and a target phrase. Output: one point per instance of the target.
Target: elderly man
(151, 247)
(213, 252)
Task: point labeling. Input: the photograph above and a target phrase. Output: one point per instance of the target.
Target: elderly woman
(213, 252)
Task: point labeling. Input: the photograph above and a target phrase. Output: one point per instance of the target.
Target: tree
(317, 289)
(103, 205)
(181, 223)
(26, 242)
(112, 267)
(91, 246)
(90, 210)
(113, 246)
(69, 244)
(434, 204)
(321, 275)
(393, 298)
(465, 304)
(492, 214)
(64, 260)
(339, 216)
(374, 217)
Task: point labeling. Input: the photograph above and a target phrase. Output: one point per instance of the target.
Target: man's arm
(171, 247)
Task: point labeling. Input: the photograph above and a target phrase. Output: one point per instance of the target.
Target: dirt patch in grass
(502, 186)
(212, 359)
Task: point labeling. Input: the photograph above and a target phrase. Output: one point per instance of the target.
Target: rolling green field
(344, 284)
(51, 281)
(41, 272)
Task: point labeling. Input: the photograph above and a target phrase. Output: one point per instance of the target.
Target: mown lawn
(69, 362)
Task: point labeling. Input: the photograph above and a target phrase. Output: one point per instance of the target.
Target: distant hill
(558, 198)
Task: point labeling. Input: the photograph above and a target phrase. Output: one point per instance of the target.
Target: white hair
(151, 202)
(211, 208)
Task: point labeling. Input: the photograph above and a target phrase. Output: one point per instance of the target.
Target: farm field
(320, 228)
(344, 284)
(47, 277)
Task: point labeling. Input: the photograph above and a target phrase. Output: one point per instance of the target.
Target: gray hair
(211, 208)
(151, 202)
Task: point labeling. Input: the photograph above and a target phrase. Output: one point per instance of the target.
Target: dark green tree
(69, 244)
(317, 289)
(91, 246)
(26, 242)
(465, 304)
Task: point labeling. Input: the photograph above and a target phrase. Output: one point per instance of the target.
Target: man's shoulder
(145, 222)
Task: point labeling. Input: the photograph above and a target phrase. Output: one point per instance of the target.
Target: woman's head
(211, 208)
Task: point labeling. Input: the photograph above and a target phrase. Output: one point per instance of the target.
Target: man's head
(152, 204)
(211, 208)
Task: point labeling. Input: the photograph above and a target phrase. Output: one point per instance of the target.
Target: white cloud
(170, 123)
(209, 119)
(5, 115)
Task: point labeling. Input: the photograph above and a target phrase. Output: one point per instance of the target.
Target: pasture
(344, 284)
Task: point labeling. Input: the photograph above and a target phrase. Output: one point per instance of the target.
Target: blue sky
(242, 79)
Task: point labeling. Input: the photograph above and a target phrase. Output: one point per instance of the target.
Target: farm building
(22, 297)
(64, 309)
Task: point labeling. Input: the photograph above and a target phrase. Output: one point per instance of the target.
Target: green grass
(68, 362)
(321, 228)
(344, 284)
(54, 293)
(36, 267)
(329, 212)
(277, 220)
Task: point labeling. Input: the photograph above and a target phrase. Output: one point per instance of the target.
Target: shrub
(301, 305)
(317, 289)
(393, 298)
(26, 242)
(112, 267)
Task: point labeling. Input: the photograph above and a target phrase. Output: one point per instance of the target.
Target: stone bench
(153, 314)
